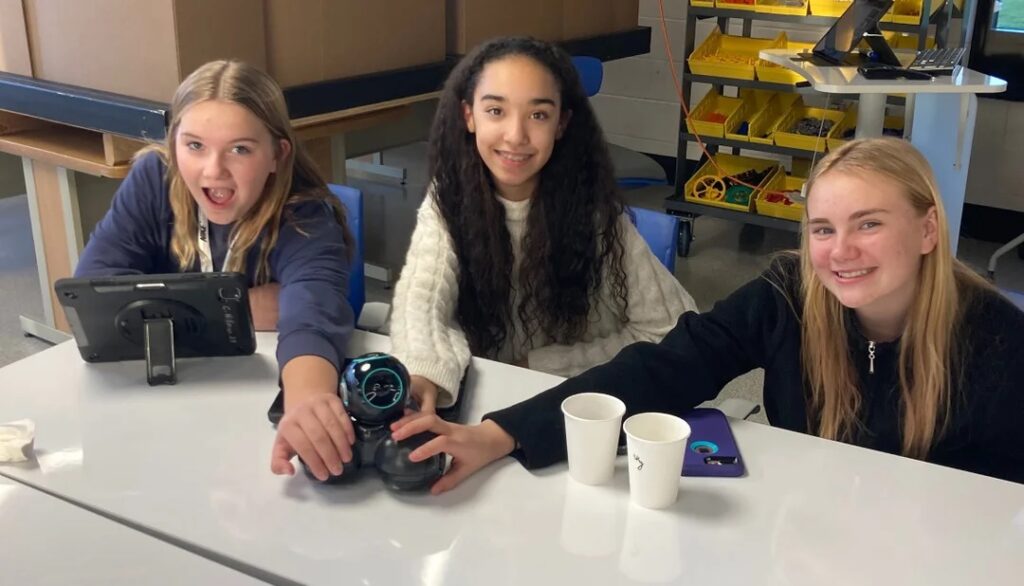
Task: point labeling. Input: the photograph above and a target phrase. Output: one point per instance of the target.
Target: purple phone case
(709, 429)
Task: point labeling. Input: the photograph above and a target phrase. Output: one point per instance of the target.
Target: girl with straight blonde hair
(872, 334)
(233, 190)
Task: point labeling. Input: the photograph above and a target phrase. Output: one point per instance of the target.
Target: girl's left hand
(471, 446)
(263, 301)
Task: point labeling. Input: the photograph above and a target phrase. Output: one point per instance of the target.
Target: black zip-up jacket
(758, 326)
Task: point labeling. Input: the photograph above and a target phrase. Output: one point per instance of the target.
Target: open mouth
(219, 196)
(854, 275)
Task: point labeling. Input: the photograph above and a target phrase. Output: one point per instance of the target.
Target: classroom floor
(724, 255)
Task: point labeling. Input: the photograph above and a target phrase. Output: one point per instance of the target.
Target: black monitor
(859, 22)
(159, 318)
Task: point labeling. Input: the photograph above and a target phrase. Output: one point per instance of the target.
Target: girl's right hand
(317, 430)
(471, 446)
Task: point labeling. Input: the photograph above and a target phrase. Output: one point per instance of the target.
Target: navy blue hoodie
(309, 261)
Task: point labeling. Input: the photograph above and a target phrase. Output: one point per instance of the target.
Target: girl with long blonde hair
(872, 334)
(231, 189)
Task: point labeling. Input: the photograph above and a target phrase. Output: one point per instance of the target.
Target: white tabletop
(846, 79)
(48, 541)
(192, 462)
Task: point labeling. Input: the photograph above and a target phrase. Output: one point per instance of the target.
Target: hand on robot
(318, 430)
(471, 446)
(376, 390)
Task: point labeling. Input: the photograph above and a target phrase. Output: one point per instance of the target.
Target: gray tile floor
(724, 255)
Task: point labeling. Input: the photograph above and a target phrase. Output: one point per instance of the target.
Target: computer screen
(849, 29)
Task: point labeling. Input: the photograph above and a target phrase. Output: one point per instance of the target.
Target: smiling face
(866, 242)
(516, 118)
(225, 154)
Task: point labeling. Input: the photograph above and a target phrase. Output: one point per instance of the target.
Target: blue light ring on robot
(398, 397)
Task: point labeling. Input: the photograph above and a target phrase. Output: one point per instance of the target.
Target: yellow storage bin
(786, 137)
(713, 103)
(727, 166)
(829, 7)
(753, 102)
(703, 3)
(762, 125)
(759, 97)
(801, 167)
(727, 56)
(773, 73)
(795, 7)
(736, 4)
(766, 203)
(836, 137)
(909, 11)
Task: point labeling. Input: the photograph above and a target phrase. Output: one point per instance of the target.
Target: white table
(48, 541)
(941, 115)
(191, 462)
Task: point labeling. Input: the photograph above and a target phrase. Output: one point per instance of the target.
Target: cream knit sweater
(426, 337)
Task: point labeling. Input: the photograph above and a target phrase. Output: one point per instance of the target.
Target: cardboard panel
(381, 36)
(316, 40)
(625, 14)
(218, 29)
(471, 22)
(586, 18)
(141, 49)
(14, 51)
(109, 45)
(294, 48)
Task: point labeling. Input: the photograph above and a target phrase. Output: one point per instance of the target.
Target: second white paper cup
(592, 422)
(655, 444)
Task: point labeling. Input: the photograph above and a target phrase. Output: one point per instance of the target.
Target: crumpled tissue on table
(16, 440)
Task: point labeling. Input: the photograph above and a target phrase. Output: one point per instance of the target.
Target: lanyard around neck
(205, 254)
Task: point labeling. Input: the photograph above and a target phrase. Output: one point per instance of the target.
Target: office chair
(1017, 243)
(370, 316)
(352, 199)
(661, 233)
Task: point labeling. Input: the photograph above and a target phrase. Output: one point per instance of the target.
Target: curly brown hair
(573, 239)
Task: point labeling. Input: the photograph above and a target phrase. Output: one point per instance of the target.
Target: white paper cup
(655, 444)
(592, 422)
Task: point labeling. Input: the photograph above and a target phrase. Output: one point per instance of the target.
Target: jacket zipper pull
(871, 357)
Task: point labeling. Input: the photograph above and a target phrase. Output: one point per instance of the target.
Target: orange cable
(686, 110)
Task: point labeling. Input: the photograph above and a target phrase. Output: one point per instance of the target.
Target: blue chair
(352, 199)
(660, 231)
(591, 72)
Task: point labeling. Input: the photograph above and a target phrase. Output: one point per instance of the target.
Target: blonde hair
(240, 83)
(929, 341)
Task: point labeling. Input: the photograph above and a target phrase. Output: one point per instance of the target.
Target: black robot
(375, 389)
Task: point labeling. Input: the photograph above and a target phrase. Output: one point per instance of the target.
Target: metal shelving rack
(688, 211)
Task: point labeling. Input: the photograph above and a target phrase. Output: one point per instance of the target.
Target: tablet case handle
(160, 366)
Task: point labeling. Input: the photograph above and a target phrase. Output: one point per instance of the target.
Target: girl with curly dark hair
(522, 251)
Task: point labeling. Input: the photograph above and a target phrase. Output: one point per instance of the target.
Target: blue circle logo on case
(704, 447)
